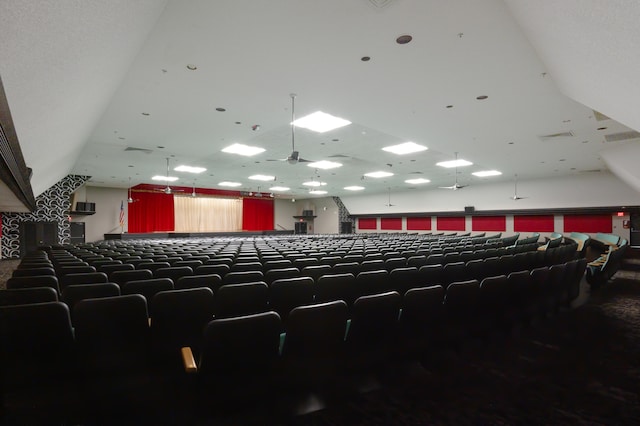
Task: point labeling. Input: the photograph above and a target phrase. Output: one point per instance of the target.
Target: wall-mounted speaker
(469, 209)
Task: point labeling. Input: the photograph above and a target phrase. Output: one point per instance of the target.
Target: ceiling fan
(389, 203)
(130, 198)
(168, 190)
(515, 191)
(294, 157)
(456, 185)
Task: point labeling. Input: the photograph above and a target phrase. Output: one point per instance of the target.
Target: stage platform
(164, 235)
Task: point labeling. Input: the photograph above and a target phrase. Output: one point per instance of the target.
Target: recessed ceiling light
(404, 39)
(130, 165)
(262, 177)
(449, 106)
(324, 164)
(220, 109)
(317, 192)
(417, 181)
(378, 174)
(146, 114)
(321, 122)
(487, 173)
(365, 58)
(314, 183)
(405, 148)
(192, 67)
(225, 183)
(160, 147)
(602, 128)
(165, 178)
(454, 163)
(279, 188)
(240, 149)
(189, 169)
(354, 188)
(482, 97)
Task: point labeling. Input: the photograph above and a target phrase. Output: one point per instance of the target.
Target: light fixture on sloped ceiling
(454, 164)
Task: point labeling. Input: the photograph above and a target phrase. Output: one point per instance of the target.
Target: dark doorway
(34, 234)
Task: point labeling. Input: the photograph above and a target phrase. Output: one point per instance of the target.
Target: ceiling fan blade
(302, 160)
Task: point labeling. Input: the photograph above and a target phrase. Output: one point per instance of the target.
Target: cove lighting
(314, 183)
(225, 183)
(262, 177)
(320, 122)
(378, 174)
(279, 188)
(240, 149)
(417, 181)
(190, 169)
(165, 178)
(405, 148)
(317, 192)
(454, 163)
(486, 173)
(354, 188)
(324, 164)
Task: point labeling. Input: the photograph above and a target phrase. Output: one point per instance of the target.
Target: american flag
(122, 214)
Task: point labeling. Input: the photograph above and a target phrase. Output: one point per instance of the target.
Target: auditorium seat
(241, 299)
(540, 287)
(220, 269)
(574, 283)
(431, 274)
(461, 309)
(211, 281)
(452, 272)
(520, 307)
(82, 278)
(288, 293)
(333, 287)
(315, 271)
(405, 278)
(34, 281)
(121, 277)
(239, 277)
(30, 272)
(370, 282)
(24, 296)
(275, 274)
(421, 320)
(392, 263)
(111, 267)
(72, 294)
(173, 272)
(147, 287)
(493, 301)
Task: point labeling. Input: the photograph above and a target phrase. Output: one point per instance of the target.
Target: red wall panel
(489, 223)
(419, 223)
(391, 223)
(588, 223)
(367, 223)
(451, 223)
(533, 223)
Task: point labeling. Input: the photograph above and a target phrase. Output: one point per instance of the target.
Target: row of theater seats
(111, 339)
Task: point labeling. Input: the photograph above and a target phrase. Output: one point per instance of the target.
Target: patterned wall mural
(52, 205)
(343, 213)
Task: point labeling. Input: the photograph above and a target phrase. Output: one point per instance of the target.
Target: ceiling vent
(600, 116)
(622, 136)
(132, 148)
(555, 136)
(338, 156)
(380, 4)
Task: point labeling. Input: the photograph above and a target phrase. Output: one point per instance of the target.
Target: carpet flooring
(579, 367)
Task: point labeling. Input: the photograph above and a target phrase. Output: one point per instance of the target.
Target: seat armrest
(189, 363)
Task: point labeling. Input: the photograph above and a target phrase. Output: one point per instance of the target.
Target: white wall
(284, 210)
(107, 217)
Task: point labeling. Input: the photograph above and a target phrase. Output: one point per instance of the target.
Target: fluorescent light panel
(165, 178)
(454, 163)
(405, 148)
(262, 177)
(279, 188)
(190, 169)
(320, 122)
(240, 149)
(226, 183)
(354, 188)
(314, 183)
(317, 192)
(378, 174)
(417, 181)
(487, 173)
(325, 165)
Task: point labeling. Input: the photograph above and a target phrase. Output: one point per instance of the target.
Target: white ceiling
(80, 75)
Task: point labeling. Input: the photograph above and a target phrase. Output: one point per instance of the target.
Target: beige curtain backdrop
(207, 214)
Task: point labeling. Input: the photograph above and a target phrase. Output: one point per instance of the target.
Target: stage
(165, 235)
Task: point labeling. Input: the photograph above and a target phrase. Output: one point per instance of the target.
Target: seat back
(173, 272)
(148, 288)
(34, 281)
(74, 293)
(241, 299)
(240, 277)
(83, 278)
(30, 272)
(288, 293)
(121, 277)
(212, 281)
(333, 287)
(24, 296)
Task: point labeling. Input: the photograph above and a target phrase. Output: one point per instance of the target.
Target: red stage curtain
(152, 212)
(537, 223)
(257, 214)
(367, 223)
(391, 223)
(489, 223)
(451, 223)
(588, 223)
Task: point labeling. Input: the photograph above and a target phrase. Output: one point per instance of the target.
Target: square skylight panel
(241, 149)
(405, 148)
(487, 173)
(262, 177)
(378, 174)
(454, 163)
(226, 183)
(417, 181)
(324, 165)
(320, 122)
(190, 169)
(165, 178)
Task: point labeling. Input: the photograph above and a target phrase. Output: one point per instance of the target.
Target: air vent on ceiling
(622, 136)
(380, 4)
(591, 171)
(338, 156)
(556, 135)
(132, 148)
(600, 116)
(416, 173)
